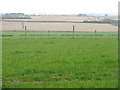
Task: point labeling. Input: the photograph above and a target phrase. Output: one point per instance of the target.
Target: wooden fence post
(23, 25)
(25, 31)
(95, 34)
(49, 34)
(73, 31)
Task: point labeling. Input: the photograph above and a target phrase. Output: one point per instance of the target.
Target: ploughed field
(60, 63)
(57, 23)
(57, 26)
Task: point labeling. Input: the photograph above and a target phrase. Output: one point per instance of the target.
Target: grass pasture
(37, 62)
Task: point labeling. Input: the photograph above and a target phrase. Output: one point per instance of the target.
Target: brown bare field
(64, 18)
(40, 26)
(58, 26)
(61, 18)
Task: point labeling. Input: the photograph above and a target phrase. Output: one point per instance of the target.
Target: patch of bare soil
(18, 81)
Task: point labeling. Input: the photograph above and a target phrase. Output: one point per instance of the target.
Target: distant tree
(106, 15)
(82, 15)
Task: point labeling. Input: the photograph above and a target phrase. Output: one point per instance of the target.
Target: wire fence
(58, 34)
(73, 33)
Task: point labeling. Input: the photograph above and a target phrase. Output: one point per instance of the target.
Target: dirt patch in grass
(18, 81)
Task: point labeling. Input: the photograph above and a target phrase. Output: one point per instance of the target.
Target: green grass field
(60, 63)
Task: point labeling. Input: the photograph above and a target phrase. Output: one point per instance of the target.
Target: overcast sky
(59, 6)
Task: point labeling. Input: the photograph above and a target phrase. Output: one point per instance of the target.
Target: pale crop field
(60, 18)
(64, 18)
(45, 26)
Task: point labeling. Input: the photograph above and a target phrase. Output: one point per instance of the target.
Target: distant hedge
(107, 21)
(15, 17)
